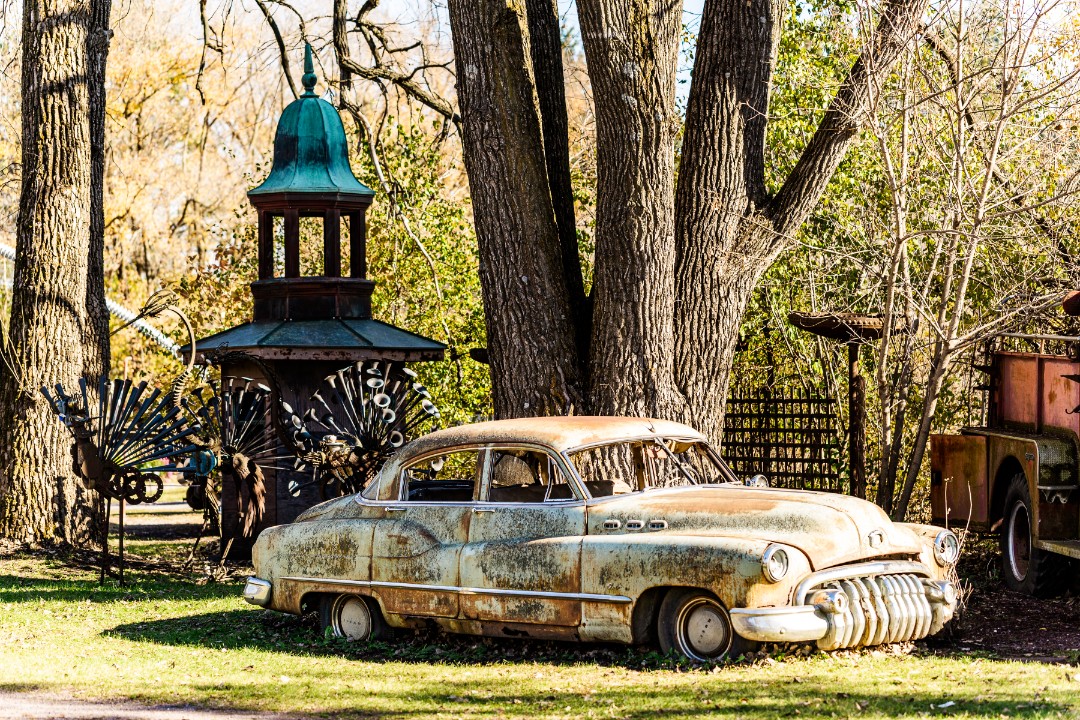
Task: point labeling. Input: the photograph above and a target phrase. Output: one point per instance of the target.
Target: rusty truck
(1018, 475)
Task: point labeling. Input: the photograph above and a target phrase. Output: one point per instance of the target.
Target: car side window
(526, 476)
(447, 477)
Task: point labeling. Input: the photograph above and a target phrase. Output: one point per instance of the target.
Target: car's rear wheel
(353, 617)
(696, 625)
(1024, 567)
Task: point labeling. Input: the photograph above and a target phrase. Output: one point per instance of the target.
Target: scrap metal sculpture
(123, 439)
(237, 441)
(360, 417)
(126, 435)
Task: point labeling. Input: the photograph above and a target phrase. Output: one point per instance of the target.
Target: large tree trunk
(545, 44)
(531, 337)
(96, 348)
(50, 319)
(722, 239)
(632, 48)
(673, 275)
(728, 230)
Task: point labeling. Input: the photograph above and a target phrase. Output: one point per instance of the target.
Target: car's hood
(828, 528)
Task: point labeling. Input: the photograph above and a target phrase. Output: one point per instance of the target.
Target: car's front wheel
(353, 617)
(696, 625)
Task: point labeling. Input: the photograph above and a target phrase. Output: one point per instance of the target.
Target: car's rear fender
(296, 558)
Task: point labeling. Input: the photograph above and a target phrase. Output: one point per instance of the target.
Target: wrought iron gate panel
(791, 436)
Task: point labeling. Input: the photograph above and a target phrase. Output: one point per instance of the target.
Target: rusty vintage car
(603, 529)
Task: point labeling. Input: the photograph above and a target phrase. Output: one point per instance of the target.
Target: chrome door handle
(483, 509)
(395, 508)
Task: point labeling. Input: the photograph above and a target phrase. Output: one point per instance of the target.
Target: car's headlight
(946, 547)
(774, 563)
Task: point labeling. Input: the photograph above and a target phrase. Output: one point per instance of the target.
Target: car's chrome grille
(880, 609)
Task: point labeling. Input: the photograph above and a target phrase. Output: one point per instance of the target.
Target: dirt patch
(24, 706)
(1008, 624)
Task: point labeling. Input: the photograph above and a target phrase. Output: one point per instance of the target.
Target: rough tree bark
(56, 330)
(728, 230)
(673, 275)
(723, 238)
(545, 44)
(631, 47)
(531, 339)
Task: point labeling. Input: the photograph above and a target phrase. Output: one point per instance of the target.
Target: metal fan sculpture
(126, 435)
(361, 416)
(123, 439)
(238, 441)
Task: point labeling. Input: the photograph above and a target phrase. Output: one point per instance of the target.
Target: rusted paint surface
(420, 545)
(959, 483)
(557, 433)
(830, 529)
(570, 569)
(525, 549)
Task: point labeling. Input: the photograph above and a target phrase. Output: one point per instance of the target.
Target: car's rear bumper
(257, 591)
(860, 612)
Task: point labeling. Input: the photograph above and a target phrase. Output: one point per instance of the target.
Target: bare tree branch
(900, 21)
(284, 55)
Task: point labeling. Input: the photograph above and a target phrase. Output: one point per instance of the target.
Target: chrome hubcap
(703, 630)
(1019, 540)
(352, 618)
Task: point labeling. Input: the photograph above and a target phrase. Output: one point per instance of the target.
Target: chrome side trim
(880, 567)
(586, 597)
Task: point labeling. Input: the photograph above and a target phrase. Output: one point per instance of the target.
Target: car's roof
(559, 433)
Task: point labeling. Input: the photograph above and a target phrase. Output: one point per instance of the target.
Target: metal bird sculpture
(239, 442)
(124, 436)
(359, 418)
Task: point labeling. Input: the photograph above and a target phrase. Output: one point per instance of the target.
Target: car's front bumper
(257, 591)
(855, 612)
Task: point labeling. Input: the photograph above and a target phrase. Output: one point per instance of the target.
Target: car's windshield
(635, 465)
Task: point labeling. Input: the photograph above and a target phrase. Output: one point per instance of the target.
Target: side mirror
(758, 480)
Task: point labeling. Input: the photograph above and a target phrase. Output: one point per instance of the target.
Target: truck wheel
(1024, 567)
(353, 617)
(697, 626)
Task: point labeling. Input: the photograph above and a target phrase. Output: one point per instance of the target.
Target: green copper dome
(310, 151)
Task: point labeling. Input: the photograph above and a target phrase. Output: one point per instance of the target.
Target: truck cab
(1019, 475)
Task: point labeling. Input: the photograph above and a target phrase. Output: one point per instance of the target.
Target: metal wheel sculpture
(361, 416)
(123, 438)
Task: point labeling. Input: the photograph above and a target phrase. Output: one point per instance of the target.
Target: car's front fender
(632, 565)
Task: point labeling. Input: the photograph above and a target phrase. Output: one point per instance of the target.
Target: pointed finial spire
(309, 79)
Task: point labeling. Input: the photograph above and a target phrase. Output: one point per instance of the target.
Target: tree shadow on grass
(16, 589)
(19, 687)
(700, 693)
(278, 632)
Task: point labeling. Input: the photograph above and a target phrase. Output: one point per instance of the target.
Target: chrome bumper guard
(257, 591)
(855, 611)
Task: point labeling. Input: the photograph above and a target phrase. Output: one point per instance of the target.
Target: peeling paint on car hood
(829, 529)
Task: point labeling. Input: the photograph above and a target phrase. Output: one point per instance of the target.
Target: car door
(522, 563)
(417, 547)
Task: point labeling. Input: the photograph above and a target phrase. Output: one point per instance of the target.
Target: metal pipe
(118, 311)
(1023, 336)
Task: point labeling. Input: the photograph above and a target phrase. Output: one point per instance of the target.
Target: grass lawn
(165, 640)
